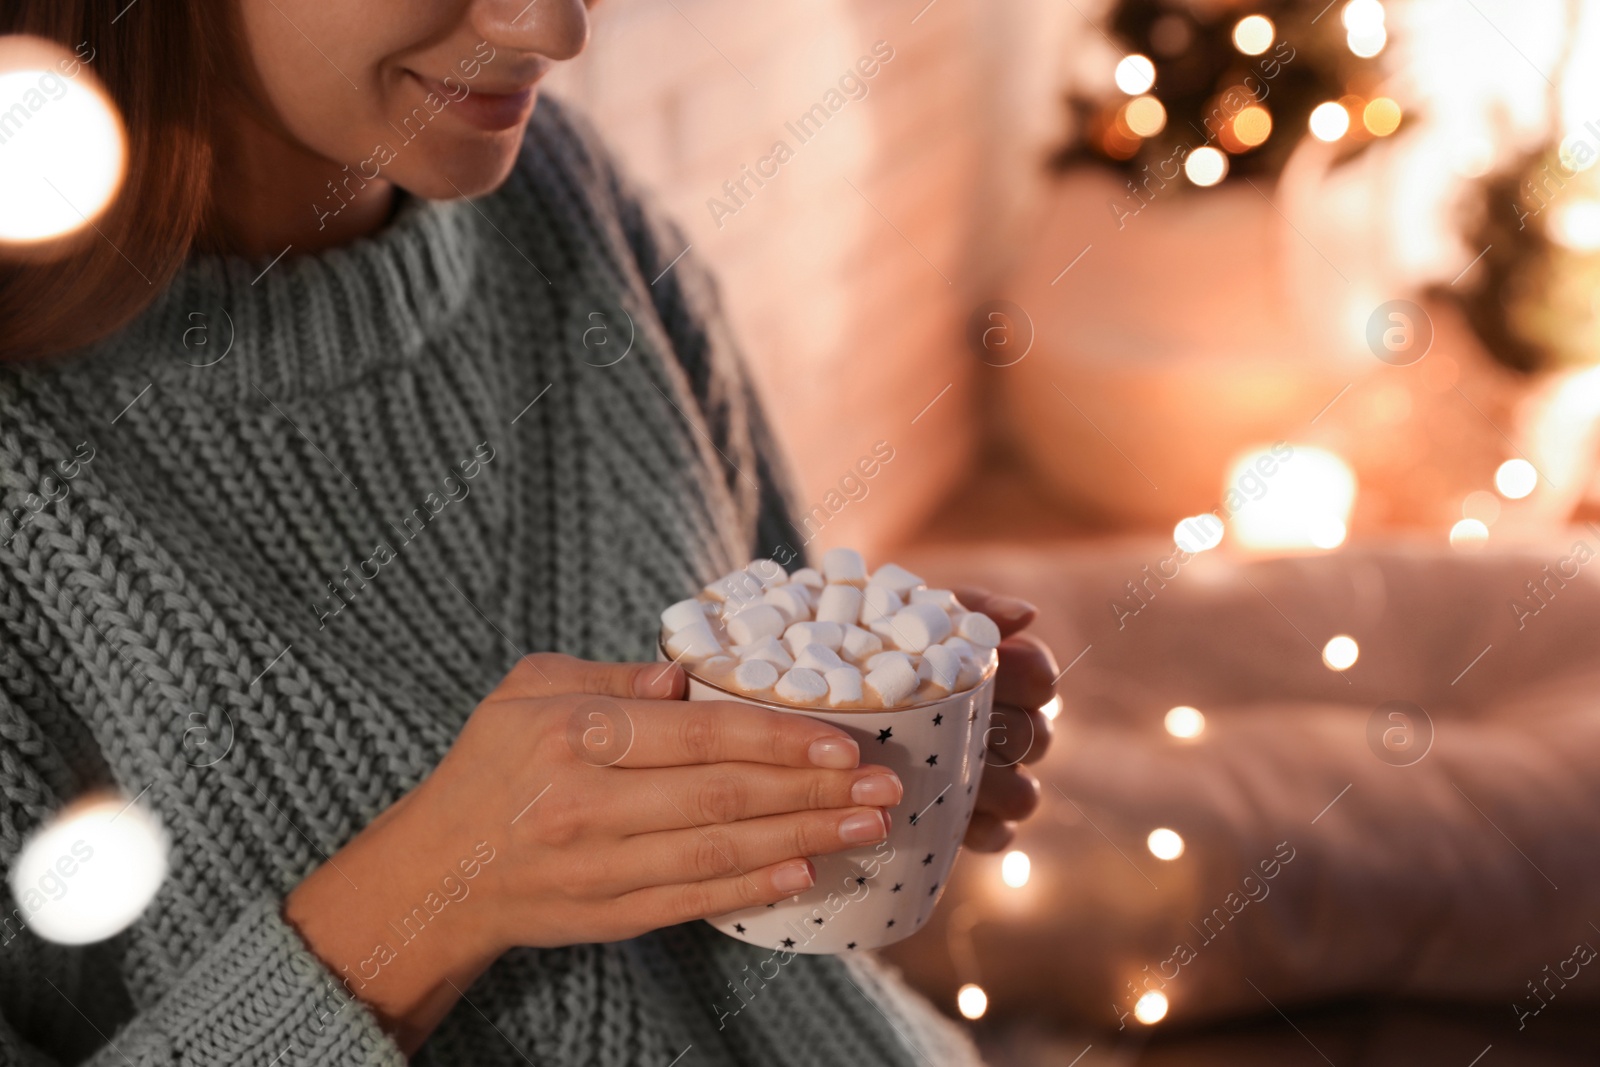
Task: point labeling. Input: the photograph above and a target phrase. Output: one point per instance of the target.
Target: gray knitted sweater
(262, 553)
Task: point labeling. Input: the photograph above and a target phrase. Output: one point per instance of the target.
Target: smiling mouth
(486, 111)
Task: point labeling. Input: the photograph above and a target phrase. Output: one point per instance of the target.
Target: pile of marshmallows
(834, 638)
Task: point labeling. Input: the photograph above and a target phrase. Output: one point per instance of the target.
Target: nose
(555, 29)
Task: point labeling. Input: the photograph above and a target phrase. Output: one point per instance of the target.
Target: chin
(470, 167)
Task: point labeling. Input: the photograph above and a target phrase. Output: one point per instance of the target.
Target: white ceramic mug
(873, 896)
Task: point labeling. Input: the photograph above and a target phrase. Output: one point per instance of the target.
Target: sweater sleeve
(255, 995)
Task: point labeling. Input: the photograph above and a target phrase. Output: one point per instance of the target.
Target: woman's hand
(589, 803)
(1020, 731)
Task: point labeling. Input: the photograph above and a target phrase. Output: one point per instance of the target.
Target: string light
(1329, 121)
(1206, 166)
(1368, 42)
(1252, 125)
(1381, 116)
(972, 1001)
(1515, 479)
(1363, 16)
(1185, 722)
(87, 874)
(1253, 34)
(1145, 116)
(1164, 844)
(1015, 869)
(1468, 535)
(1326, 531)
(1135, 74)
(64, 153)
(1340, 653)
(1150, 1008)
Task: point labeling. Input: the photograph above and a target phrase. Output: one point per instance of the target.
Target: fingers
(677, 733)
(705, 853)
(987, 833)
(1008, 793)
(1027, 672)
(1017, 735)
(546, 674)
(1009, 613)
(674, 797)
(668, 905)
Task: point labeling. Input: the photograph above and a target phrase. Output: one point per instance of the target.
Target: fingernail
(792, 877)
(835, 753)
(1011, 608)
(864, 826)
(878, 790)
(658, 681)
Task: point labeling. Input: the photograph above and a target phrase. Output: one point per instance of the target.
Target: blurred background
(1255, 342)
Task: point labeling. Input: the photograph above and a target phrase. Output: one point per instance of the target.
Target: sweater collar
(234, 328)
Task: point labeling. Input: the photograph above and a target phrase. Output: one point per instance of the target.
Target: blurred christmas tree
(1213, 91)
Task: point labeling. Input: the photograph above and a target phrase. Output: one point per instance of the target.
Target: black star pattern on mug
(772, 905)
(934, 889)
(851, 945)
(933, 760)
(891, 922)
(885, 733)
(938, 720)
(897, 887)
(939, 799)
(861, 880)
(969, 790)
(788, 942)
(927, 859)
(915, 816)
(738, 928)
(974, 716)
(818, 921)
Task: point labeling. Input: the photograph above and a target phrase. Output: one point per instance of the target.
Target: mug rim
(989, 673)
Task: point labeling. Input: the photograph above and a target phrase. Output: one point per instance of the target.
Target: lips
(483, 110)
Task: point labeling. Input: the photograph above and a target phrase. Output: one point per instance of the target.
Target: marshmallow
(754, 675)
(844, 686)
(801, 634)
(840, 604)
(714, 665)
(790, 601)
(801, 685)
(767, 649)
(879, 603)
(892, 683)
(920, 625)
(979, 629)
(962, 647)
(859, 643)
(752, 623)
(941, 666)
(943, 597)
(683, 613)
(970, 675)
(896, 577)
(808, 577)
(819, 658)
(695, 640)
(874, 662)
(738, 586)
(767, 572)
(884, 631)
(843, 565)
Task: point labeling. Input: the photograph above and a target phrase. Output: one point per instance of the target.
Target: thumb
(545, 674)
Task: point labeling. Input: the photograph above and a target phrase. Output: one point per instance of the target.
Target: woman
(332, 485)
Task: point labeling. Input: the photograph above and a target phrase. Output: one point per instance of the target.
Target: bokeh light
(1469, 535)
(1253, 34)
(1340, 653)
(1206, 166)
(1252, 125)
(64, 153)
(1145, 116)
(86, 875)
(1015, 869)
(1198, 533)
(1367, 43)
(1515, 479)
(1185, 722)
(972, 1001)
(1482, 505)
(1360, 16)
(1296, 501)
(1329, 121)
(1135, 74)
(1052, 708)
(1164, 844)
(1151, 1008)
(1381, 116)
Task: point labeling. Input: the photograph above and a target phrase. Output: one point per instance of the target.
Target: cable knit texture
(262, 553)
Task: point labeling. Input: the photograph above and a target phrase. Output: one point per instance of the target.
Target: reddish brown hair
(166, 64)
